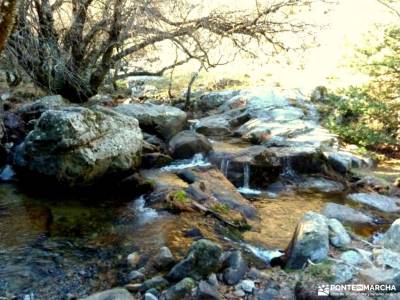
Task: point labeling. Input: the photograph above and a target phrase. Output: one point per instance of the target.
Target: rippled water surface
(52, 247)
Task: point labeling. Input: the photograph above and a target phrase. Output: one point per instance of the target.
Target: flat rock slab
(377, 201)
(346, 214)
(321, 185)
(220, 188)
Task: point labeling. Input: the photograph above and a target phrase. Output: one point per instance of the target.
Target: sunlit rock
(77, 146)
(163, 120)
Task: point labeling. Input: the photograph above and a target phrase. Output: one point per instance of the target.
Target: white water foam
(248, 191)
(245, 189)
(144, 214)
(198, 160)
(225, 167)
(264, 254)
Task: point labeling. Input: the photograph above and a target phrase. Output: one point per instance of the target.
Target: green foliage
(221, 208)
(180, 196)
(321, 271)
(151, 182)
(369, 114)
(361, 119)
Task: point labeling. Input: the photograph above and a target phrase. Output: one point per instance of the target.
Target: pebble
(133, 287)
(133, 259)
(239, 293)
(164, 258)
(212, 279)
(149, 296)
(135, 276)
(247, 285)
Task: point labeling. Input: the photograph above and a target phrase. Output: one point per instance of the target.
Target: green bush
(369, 114)
(361, 119)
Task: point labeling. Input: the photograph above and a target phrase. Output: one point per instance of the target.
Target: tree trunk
(8, 13)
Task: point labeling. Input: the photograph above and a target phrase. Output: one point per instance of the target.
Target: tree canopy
(69, 46)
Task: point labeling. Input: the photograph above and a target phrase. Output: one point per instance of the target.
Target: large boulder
(343, 161)
(163, 120)
(255, 131)
(217, 125)
(187, 143)
(77, 146)
(203, 259)
(310, 241)
(212, 100)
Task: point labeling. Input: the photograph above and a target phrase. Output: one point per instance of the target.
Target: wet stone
(352, 258)
(157, 282)
(180, 290)
(202, 260)
(338, 235)
(247, 285)
(236, 268)
(206, 291)
(135, 276)
(164, 259)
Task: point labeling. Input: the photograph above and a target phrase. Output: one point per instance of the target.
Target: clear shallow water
(55, 246)
(52, 247)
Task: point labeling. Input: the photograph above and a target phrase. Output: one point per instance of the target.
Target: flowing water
(198, 160)
(225, 166)
(54, 246)
(246, 189)
(58, 245)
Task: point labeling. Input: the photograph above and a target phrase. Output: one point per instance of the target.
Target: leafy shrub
(369, 114)
(360, 119)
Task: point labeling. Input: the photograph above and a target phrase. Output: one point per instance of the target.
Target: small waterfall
(287, 170)
(246, 176)
(225, 167)
(144, 214)
(198, 160)
(312, 111)
(193, 125)
(245, 189)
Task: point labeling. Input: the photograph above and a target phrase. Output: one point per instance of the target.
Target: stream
(53, 246)
(60, 246)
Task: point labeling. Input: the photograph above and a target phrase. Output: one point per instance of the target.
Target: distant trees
(69, 46)
(8, 12)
